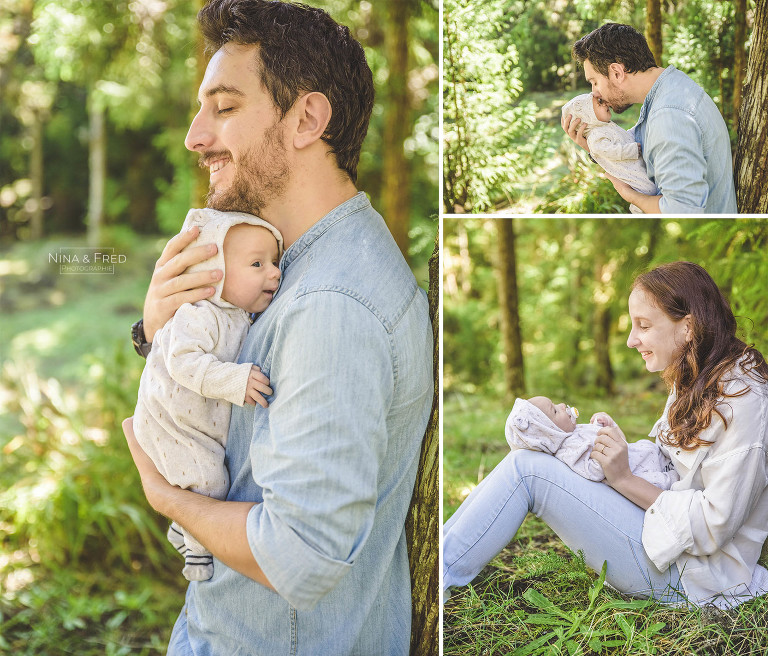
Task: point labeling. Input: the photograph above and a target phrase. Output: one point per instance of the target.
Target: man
(683, 137)
(310, 544)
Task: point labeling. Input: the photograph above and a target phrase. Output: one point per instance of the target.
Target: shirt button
(677, 453)
(652, 511)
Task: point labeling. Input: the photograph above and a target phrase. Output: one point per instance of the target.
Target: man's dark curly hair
(614, 43)
(301, 50)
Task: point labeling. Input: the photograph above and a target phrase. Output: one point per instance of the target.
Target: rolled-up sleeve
(733, 478)
(327, 435)
(673, 151)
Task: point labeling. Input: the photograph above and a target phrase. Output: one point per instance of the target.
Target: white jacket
(714, 520)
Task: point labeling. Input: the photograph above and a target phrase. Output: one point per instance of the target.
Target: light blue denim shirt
(686, 147)
(347, 346)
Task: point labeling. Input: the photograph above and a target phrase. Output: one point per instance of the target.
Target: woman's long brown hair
(701, 369)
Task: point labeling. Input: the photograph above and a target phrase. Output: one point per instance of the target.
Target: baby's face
(558, 414)
(602, 111)
(251, 274)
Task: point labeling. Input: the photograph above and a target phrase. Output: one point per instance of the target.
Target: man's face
(604, 88)
(238, 134)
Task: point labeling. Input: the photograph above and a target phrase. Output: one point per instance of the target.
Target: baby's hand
(602, 419)
(257, 388)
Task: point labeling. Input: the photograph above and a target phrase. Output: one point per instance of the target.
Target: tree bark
(396, 170)
(739, 54)
(509, 307)
(752, 151)
(97, 169)
(653, 28)
(422, 526)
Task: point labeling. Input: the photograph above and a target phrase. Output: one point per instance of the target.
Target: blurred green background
(96, 101)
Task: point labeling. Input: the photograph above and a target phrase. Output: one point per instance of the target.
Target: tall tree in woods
(509, 308)
(396, 199)
(752, 150)
(653, 29)
(422, 525)
(739, 54)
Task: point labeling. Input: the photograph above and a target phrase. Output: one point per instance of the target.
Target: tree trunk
(752, 151)
(422, 526)
(36, 175)
(739, 54)
(395, 193)
(601, 324)
(508, 306)
(97, 169)
(653, 28)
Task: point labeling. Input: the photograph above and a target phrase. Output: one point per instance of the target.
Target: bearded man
(683, 138)
(309, 545)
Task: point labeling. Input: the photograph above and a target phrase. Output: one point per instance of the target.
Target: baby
(612, 147)
(191, 378)
(540, 425)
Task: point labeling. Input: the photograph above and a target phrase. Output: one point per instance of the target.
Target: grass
(537, 597)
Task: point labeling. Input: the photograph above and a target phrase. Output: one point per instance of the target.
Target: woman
(698, 542)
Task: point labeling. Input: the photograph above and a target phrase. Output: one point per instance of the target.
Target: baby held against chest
(612, 147)
(540, 425)
(191, 378)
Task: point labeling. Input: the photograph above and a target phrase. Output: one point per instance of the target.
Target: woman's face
(656, 337)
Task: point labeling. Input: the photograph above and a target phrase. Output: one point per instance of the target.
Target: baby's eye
(256, 264)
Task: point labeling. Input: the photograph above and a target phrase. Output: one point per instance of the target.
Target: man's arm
(674, 156)
(220, 526)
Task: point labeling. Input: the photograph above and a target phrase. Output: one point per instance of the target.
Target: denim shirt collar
(358, 202)
(652, 93)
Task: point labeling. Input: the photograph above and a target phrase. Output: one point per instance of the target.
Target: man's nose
(200, 136)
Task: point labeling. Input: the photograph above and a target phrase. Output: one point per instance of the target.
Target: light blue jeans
(588, 516)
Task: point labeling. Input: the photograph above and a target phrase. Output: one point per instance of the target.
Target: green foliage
(489, 136)
(567, 268)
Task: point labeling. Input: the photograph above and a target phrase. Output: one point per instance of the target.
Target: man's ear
(616, 72)
(313, 112)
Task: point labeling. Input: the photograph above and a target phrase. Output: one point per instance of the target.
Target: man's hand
(258, 387)
(574, 128)
(170, 287)
(648, 204)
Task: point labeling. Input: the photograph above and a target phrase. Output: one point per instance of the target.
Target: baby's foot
(197, 567)
(176, 538)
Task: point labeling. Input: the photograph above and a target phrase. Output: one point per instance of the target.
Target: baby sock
(197, 567)
(176, 538)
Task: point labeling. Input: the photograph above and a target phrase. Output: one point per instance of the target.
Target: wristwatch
(140, 343)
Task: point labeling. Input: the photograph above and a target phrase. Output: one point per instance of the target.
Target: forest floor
(529, 191)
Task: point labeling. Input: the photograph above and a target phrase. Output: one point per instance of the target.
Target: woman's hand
(574, 128)
(170, 287)
(611, 453)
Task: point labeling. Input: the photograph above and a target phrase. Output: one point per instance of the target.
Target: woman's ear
(314, 114)
(688, 327)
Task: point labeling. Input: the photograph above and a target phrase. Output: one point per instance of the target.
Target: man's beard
(260, 176)
(618, 99)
